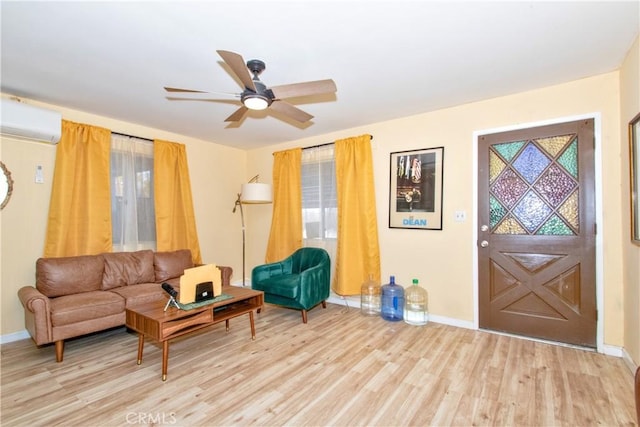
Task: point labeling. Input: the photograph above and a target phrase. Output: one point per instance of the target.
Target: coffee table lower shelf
(152, 321)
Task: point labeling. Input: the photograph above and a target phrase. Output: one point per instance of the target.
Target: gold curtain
(175, 219)
(80, 207)
(286, 223)
(358, 254)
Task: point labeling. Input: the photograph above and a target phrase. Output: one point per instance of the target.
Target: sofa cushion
(70, 309)
(287, 285)
(142, 293)
(169, 265)
(69, 275)
(127, 268)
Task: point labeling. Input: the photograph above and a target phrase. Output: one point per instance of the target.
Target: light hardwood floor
(341, 369)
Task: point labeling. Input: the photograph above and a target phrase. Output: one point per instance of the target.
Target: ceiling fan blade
(176, 89)
(290, 111)
(237, 115)
(304, 89)
(239, 68)
(218, 101)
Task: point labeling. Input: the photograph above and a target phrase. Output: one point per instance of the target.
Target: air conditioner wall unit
(29, 122)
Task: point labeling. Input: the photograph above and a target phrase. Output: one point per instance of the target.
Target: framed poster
(415, 195)
(634, 155)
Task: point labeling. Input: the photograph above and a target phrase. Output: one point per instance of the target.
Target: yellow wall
(629, 107)
(216, 173)
(443, 260)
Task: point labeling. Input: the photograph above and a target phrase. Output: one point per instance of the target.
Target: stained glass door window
(533, 186)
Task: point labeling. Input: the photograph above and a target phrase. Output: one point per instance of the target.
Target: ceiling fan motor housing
(256, 67)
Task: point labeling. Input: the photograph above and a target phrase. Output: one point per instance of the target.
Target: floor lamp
(252, 192)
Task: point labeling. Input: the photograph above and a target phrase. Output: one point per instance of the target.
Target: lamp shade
(255, 192)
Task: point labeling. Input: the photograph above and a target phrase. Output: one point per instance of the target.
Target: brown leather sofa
(79, 295)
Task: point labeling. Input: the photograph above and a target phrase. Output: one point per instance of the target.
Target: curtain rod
(327, 143)
(132, 136)
(305, 148)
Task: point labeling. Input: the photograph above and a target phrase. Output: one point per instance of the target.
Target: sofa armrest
(225, 273)
(37, 314)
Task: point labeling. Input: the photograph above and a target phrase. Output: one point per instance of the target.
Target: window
(132, 202)
(319, 202)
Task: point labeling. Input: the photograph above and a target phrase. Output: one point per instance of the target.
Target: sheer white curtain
(319, 202)
(132, 201)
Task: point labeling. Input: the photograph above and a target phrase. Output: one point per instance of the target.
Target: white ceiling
(389, 59)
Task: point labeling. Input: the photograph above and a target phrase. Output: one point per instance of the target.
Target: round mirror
(6, 186)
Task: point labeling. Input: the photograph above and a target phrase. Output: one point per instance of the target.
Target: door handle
(484, 243)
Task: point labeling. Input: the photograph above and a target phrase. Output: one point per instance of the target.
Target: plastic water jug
(392, 301)
(415, 305)
(370, 298)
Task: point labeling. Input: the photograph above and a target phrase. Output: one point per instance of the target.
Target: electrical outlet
(460, 216)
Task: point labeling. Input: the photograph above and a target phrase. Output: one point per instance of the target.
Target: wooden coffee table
(151, 320)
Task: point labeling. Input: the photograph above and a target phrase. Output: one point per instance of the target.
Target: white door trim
(597, 122)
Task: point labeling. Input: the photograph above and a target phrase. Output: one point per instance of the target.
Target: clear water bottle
(392, 301)
(370, 298)
(415, 305)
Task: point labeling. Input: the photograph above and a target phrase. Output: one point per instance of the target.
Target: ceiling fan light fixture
(255, 101)
(257, 96)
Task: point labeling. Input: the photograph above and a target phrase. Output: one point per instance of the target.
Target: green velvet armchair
(300, 281)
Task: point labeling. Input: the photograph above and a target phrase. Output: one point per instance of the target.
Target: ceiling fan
(257, 96)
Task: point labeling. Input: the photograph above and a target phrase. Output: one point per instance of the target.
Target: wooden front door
(536, 237)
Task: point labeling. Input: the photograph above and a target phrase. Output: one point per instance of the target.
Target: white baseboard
(16, 336)
(239, 284)
(451, 321)
(629, 361)
(611, 350)
(351, 301)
